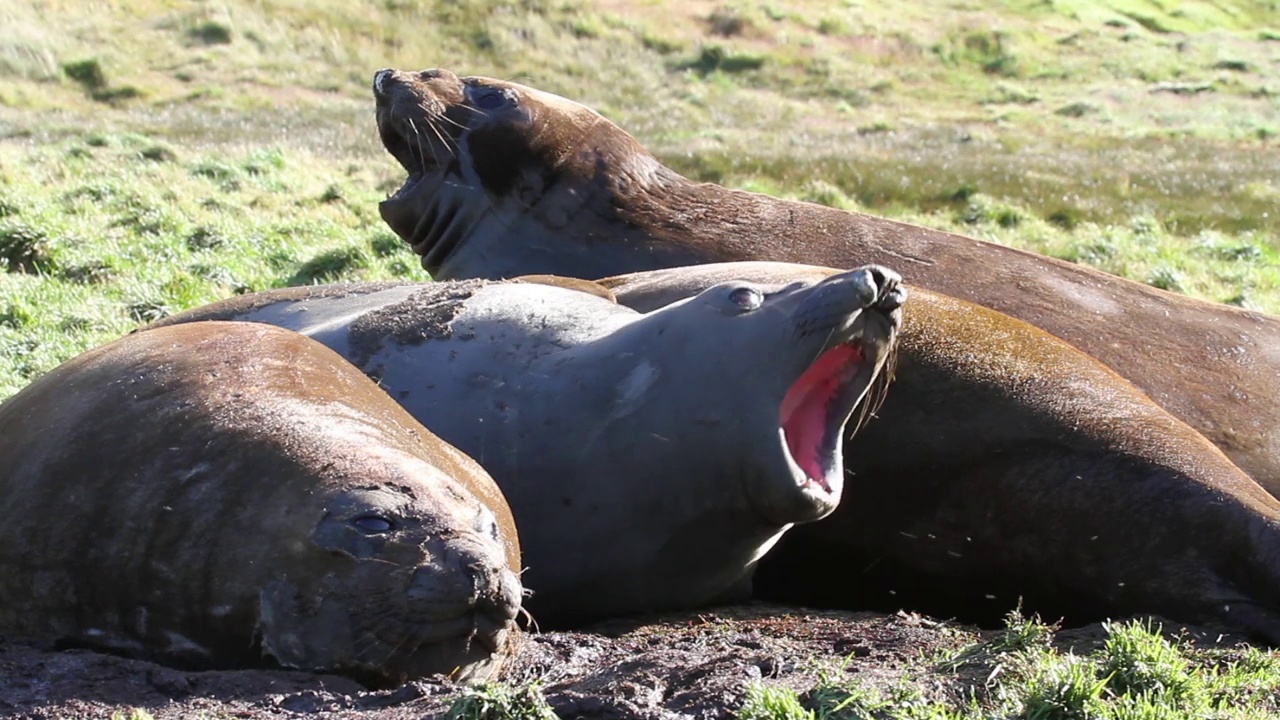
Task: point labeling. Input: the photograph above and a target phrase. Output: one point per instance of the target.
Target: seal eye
(490, 99)
(746, 298)
(372, 524)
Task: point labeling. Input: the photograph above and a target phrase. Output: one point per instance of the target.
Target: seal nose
(382, 81)
(890, 293)
(832, 302)
(469, 577)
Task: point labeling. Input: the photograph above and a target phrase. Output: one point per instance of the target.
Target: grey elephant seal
(649, 459)
(232, 495)
(506, 180)
(1007, 465)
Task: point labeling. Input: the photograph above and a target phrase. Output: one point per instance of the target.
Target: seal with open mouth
(222, 495)
(1007, 466)
(507, 180)
(649, 459)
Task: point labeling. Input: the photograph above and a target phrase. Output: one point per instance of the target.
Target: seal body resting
(649, 459)
(1007, 465)
(506, 180)
(223, 495)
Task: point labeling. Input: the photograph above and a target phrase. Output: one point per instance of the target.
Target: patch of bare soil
(695, 665)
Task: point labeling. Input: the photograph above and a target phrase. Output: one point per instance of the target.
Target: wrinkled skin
(229, 495)
(1004, 465)
(508, 180)
(642, 454)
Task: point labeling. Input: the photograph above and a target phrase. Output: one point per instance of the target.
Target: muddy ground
(694, 665)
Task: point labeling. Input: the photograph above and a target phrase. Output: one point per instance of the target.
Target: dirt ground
(695, 665)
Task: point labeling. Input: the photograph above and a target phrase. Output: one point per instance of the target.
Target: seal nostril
(893, 299)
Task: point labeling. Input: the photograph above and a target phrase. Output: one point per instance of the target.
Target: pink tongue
(804, 409)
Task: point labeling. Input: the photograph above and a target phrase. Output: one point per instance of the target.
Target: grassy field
(160, 154)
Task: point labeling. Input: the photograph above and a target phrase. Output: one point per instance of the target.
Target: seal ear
(569, 283)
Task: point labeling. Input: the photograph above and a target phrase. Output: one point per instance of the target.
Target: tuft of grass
(330, 266)
(717, 58)
(1139, 660)
(211, 32)
(88, 73)
(25, 249)
(1064, 688)
(498, 701)
(766, 702)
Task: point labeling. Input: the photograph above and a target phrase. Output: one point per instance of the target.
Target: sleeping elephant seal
(649, 459)
(224, 495)
(1007, 464)
(505, 180)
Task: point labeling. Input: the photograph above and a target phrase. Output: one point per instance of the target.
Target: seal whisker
(445, 139)
(417, 141)
(451, 121)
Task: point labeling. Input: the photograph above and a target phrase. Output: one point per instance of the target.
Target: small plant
(1165, 278)
(1076, 109)
(25, 249)
(496, 701)
(715, 57)
(1064, 688)
(1140, 660)
(88, 73)
(765, 702)
(210, 32)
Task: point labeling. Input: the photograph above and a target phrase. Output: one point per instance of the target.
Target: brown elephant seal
(1006, 464)
(506, 180)
(233, 495)
(649, 459)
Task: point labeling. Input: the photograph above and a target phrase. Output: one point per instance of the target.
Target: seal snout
(382, 80)
(469, 579)
(837, 300)
(852, 346)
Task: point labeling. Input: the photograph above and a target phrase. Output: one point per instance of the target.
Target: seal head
(484, 154)
(236, 495)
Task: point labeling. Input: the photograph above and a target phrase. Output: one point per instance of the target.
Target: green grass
(101, 234)
(1137, 672)
(500, 701)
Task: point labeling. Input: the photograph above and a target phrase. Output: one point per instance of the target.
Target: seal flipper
(586, 286)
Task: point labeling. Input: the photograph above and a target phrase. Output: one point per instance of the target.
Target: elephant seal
(222, 495)
(506, 180)
(1006, 464)
(649, 459)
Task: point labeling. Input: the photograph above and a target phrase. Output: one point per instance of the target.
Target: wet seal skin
(507, 180)
(221, 495)
(649, 459)
(1007, 466)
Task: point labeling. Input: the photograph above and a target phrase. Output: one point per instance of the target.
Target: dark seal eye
(372, 524)
(490, 99)
(746, 298)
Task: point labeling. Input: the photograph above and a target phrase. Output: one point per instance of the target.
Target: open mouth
(411, 154)
(815, 410)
